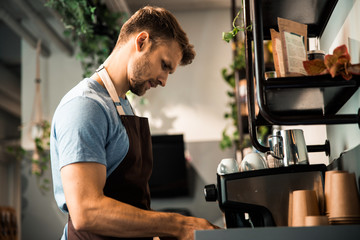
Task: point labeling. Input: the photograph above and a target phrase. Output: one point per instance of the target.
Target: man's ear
(141, 40)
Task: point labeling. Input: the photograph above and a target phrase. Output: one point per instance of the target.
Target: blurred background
(192, 104)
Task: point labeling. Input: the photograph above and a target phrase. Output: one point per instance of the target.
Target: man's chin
(138, 93)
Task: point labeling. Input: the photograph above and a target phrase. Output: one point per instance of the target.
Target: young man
(101, 153)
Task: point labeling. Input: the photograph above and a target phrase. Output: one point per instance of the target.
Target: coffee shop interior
(209, 118)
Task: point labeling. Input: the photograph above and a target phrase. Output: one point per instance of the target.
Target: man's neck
(116, 66)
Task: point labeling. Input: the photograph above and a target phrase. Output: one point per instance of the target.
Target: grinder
(260, 198)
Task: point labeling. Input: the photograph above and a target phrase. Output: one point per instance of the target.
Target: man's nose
(163, 79)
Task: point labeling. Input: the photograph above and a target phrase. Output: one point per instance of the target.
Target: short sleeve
(81, 128)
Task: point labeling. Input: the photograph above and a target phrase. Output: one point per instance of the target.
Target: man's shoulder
(87, 88)
(87, 95)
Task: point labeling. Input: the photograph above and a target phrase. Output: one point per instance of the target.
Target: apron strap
(105, 78)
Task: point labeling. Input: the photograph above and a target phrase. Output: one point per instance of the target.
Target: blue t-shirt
(86, 128)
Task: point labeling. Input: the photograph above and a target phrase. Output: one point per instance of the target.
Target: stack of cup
(327, 191)
(342, 198)
(303, 204)
(311, 221)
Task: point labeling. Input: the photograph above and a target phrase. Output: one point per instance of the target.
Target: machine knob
(210, 193)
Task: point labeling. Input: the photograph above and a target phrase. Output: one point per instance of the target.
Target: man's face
(152, 67)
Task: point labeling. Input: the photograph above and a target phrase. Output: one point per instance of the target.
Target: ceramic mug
(227, 165)
(253, 161)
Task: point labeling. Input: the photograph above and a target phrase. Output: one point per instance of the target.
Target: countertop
(332, 232)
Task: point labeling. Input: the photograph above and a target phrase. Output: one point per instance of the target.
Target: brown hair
(161, 25)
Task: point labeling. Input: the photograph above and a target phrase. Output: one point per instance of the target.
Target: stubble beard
(137, 83)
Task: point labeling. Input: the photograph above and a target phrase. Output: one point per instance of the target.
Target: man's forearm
(113, 218)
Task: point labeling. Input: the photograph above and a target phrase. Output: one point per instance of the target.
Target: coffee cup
(311, 221)
(227, 165)
(253, 161)
(344, 196)
(304, 203)
(327, 190)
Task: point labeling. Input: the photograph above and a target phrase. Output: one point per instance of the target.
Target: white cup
(227, 165)
(253, 161)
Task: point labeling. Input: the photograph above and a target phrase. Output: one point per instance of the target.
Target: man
(101, 153)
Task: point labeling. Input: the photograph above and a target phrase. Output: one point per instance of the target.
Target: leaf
(343, 60)
(227, 36)
(338, 62)
(330, 60)
(226, 141)
(314, 67)
(341, 51)
(354, 69)
(346, 75)
(230, 93)
(334, 69)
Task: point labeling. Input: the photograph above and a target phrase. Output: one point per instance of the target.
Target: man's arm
(92, 211)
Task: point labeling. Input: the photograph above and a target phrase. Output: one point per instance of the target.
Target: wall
(314, 135)
(10, 192)
(344, 30)
(10, 189)
(193, 103)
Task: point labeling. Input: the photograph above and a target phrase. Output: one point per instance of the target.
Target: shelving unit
(307, 100)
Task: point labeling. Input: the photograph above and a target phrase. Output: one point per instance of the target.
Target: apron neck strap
(105, 78)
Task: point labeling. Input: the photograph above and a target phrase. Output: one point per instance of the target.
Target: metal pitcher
(290, 146)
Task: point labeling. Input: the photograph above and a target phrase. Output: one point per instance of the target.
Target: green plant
(94, 30)
(238, 65)
(40, 158)
(228, 36)
(228, 74)
(90, 25)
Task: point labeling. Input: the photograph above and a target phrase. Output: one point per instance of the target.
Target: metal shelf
(307, 100)
(314, 13)
(322, 95)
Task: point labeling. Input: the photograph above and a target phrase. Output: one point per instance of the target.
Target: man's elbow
(83, 219)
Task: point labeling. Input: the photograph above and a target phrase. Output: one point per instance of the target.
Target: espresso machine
(260, 198)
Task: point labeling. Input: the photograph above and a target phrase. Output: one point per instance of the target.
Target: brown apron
(128, 183)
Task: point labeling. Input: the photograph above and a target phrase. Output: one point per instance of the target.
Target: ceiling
(31, 20)
(25, 17)
(180, 5)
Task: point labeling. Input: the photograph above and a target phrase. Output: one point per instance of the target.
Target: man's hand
(191, 224)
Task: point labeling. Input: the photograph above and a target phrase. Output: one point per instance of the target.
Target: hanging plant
(39, 158)
(39, 131)
(230, 139)
(238, 65)
(92, 27)
(228, 36)
(233, 138)
(228, 74)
